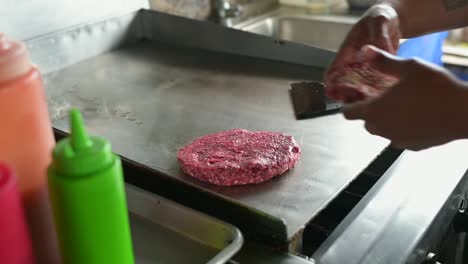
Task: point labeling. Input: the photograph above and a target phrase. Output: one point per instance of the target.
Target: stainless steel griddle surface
(150, 99)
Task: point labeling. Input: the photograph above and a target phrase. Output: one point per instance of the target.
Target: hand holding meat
(427, 107)
(379, 27)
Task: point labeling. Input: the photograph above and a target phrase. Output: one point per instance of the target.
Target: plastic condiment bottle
(88, 198)
(15, 243)
(26, 140)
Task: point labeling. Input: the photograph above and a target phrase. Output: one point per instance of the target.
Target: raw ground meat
(238, 157)
(356, 82)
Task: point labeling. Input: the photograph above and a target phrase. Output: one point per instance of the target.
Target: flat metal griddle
(150, 97)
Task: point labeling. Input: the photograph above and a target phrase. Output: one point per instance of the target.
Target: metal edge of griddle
(149, 206)
(268, 229)
(296, 242)
(402, 228)
(177, 30)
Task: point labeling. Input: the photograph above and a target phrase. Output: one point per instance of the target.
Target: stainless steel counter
(407, 214)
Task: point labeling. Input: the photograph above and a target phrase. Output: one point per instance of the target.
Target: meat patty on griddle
(238, 157)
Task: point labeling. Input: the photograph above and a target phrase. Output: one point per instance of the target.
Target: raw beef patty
(356, 82)
(237, 157)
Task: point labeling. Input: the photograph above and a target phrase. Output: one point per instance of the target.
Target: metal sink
(326, 32)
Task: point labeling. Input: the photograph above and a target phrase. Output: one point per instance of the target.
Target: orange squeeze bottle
(26, 142)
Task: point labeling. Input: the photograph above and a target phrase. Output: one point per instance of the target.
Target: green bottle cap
(80, 154)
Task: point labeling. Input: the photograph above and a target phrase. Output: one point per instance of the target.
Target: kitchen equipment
(252, 74)
(88, 198)
(421, 224)
(15, 241)
(26, 140)
(159, 87)
(171, 233)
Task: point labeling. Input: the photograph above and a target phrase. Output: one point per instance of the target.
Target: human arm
(419, 17)
(385, 23)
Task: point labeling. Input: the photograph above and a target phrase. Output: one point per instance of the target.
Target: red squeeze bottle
(15, 243)
(26, 141)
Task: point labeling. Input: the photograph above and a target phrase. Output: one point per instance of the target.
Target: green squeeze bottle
(88, 199)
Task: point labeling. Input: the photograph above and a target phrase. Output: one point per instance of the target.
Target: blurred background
(446, 48)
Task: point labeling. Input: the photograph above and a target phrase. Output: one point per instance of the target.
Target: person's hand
(380, 27)
(426, 108)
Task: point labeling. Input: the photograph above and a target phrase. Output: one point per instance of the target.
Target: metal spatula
(310, 101)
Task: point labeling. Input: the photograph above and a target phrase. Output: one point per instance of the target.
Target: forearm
(418, 17)
(460, 109)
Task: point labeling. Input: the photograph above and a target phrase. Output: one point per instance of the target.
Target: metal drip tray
(170, 233)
